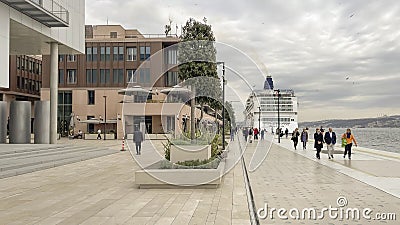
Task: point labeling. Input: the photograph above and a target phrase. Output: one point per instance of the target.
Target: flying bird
(351, 15)
(347, 78)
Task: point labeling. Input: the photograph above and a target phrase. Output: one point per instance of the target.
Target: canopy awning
(97, 121)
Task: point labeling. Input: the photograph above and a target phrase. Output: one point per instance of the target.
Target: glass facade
(64, 112)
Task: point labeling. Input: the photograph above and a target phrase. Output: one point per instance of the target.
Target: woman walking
(349, 137)
(295, 138)
(318, 142)
(304, 138)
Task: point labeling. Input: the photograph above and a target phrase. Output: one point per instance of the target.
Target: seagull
(351, 15)
(347, 78)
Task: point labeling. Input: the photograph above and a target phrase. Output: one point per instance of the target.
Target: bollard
(41, 124)
(3, 122)
(123, 144)
(20, 122)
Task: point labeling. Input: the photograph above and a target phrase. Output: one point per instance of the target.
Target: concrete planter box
(94, 136)
(179, 178)
(181, 153)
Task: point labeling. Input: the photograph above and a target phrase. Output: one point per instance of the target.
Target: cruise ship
(262, 108)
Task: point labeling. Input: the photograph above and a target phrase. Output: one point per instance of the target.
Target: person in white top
(98, 134)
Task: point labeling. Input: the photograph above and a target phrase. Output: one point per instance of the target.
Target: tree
(197, 57)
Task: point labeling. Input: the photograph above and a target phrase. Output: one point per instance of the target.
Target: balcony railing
(48, 12)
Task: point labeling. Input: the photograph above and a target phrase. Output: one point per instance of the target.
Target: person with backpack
(348, 139)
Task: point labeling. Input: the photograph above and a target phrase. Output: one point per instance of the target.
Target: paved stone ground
(102, 191)
(287, 180)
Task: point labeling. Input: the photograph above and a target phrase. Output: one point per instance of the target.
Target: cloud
(310, 46)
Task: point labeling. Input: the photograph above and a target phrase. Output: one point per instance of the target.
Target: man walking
(330, 140)
(138, 139)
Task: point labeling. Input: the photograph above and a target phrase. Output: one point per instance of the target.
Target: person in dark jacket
(330, 140)
(304, 138)
(138, 139)
(295, 138)
(318, 142)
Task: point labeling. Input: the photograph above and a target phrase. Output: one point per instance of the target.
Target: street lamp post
(279, 118)
(105, 115)
(223, 104)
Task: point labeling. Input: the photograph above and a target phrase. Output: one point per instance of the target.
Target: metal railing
(52, 7)
(133, 36)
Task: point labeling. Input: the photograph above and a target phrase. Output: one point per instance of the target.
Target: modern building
(262, 108)
(40, 27)
(94, 87)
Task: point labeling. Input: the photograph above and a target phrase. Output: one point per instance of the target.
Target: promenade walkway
(295, 179)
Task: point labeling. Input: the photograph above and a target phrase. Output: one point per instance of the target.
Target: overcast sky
(341, 57)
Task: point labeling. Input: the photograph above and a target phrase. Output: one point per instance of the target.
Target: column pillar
(20, 122)
(41, 124)
(53, 91)
(3, 122)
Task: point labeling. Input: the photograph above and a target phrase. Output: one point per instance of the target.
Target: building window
(132, 54)
(108, 53)
(94, 54)
(89, 77)
(89, 54)
(115, 53)
(64, 111)
(171, 78)
(71, 77)
(144, 76)
(40, 69)
(30, 66)
(131, 76)
(61, 58)
(171, 57)
(91, 97)
(118, 76)
(104, 76)
(61, 76)
(121, 53)
(144, 52)
(102, 53)
(37, 65)
(113, 34)
(18, 62)
(18, 82)
(71, 58)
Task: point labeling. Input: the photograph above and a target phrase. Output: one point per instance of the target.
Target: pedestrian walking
(347, 140)
(245, 134)
(233, 134)
(138, 139)
(287, 133)
(262, 134)
(318, 142)
(251, 135)
(295, 138)
(330, 140)
(98, 134)
(255, 133)
(304, 138)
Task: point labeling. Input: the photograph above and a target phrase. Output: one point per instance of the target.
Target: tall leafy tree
(197, 57)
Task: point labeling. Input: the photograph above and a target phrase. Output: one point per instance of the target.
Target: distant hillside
(386, 121)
